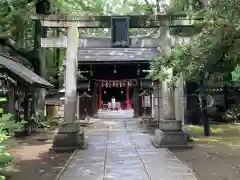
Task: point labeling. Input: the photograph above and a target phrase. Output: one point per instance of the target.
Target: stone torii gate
(69, 135)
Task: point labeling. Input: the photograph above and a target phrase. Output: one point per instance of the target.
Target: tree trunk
(203, 98)
(57, 63)
(26, 110)
(227, 78)
(38, 99)
(226, 94)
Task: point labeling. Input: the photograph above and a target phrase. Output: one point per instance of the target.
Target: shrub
(7, 128)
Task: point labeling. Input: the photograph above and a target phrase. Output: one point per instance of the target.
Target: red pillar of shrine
(127, 98)
(100, 97)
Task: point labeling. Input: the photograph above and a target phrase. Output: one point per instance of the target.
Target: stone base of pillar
(146, 117)
(170, 135)
(68, 138)
(170, 125)
(153, 123)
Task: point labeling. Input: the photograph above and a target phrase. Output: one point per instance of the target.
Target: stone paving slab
(119, 151)
(84, 171)
(125, 167)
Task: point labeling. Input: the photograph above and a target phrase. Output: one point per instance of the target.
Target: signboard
(120, 35)
(146, 101)
(155, 101)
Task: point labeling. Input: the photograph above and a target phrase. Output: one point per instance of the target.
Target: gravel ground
(32, 160)
(211, 161)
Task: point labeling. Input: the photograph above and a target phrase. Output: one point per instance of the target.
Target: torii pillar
(69, 137)
(169, 133)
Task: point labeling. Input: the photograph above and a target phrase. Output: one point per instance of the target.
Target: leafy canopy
(213, 52)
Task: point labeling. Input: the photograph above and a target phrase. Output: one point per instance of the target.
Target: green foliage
(15, 21)
(183, 7)
(101, 7)
(211, 54)
(7, 128)
(236, 74)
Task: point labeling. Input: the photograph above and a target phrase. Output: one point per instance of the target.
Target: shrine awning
(100, 55)
(20, 71)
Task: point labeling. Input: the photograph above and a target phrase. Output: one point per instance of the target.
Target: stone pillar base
(146, 117)
(135, 115)
(153, 123)
(170, 135)
(68, 138)
(170, 125)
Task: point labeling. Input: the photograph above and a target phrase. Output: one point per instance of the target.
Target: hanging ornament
(120, 84)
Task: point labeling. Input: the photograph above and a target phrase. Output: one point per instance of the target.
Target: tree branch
(147, 3)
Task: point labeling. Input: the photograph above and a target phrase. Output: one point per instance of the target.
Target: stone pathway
(119, 150)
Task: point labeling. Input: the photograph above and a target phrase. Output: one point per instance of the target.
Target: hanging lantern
(138, 70)
(91, 72)
(114, 69)
(141, 84)
(89, 85)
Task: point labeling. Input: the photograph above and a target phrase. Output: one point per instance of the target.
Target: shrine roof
(117, 54)
(22, 72)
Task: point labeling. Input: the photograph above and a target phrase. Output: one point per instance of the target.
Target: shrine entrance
(116, 94)
(113, 59)
(121, 56)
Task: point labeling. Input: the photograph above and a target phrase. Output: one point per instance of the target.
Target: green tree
(212, 54)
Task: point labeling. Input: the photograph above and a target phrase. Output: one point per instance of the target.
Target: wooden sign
(146, 101)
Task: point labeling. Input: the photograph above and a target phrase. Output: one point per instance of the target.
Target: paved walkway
(119, 150)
